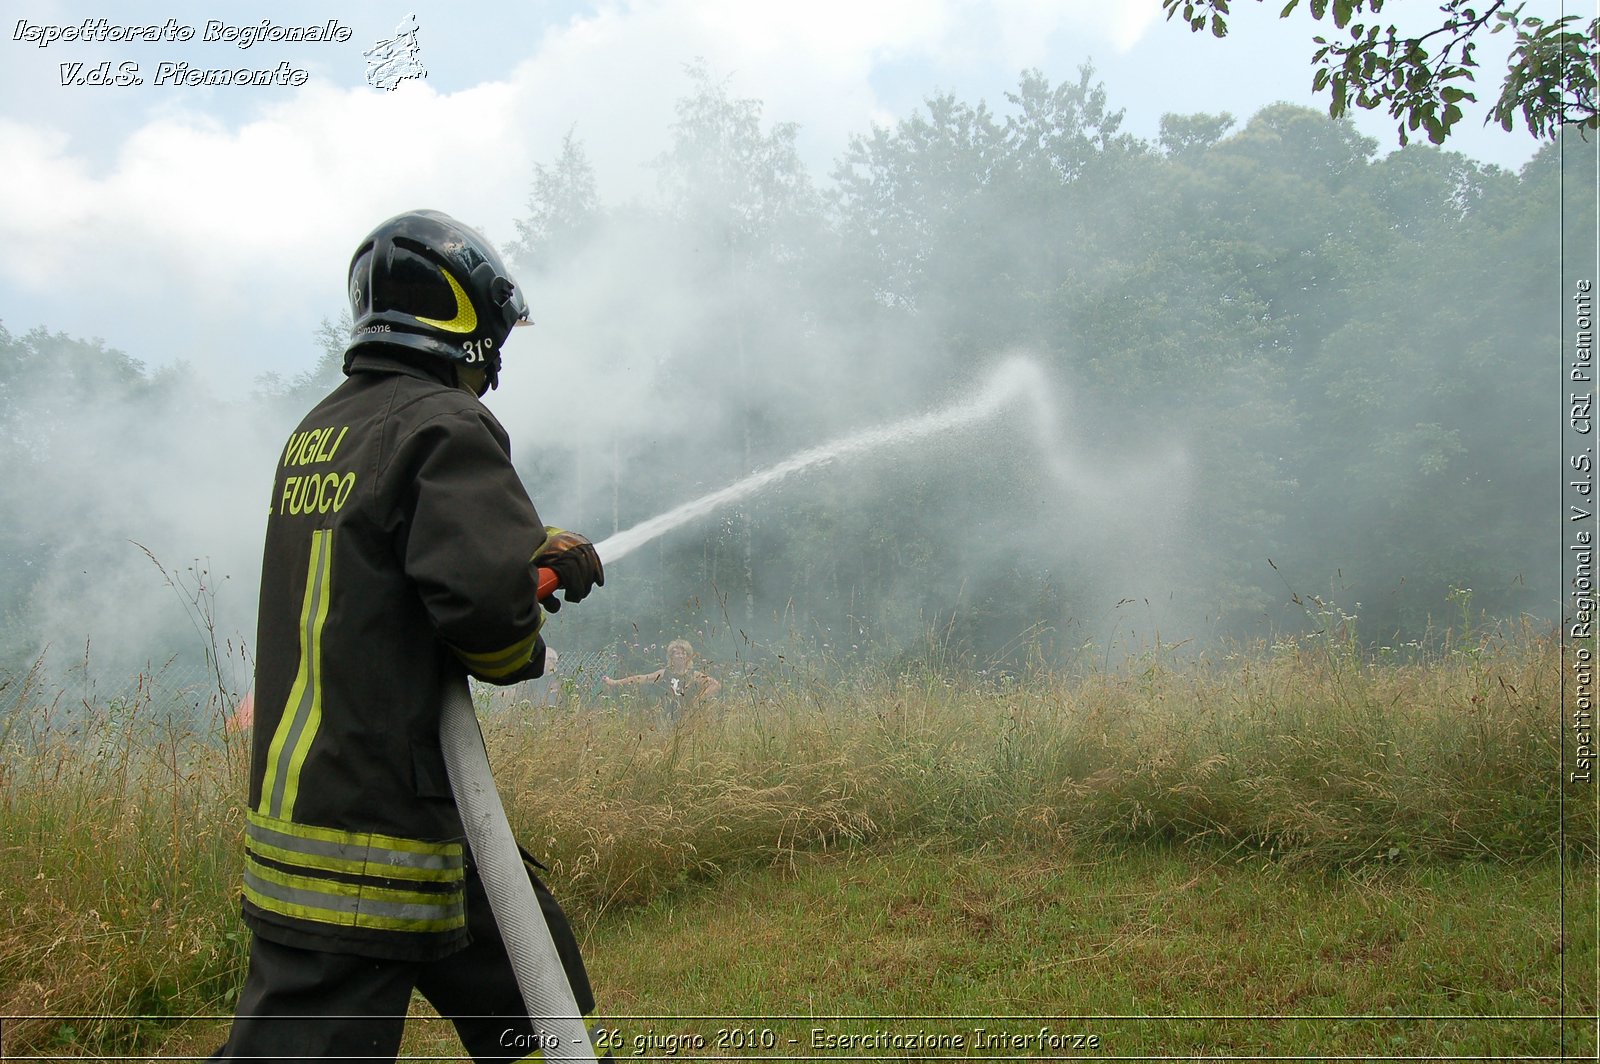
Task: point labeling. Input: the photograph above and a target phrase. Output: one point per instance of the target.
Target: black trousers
(302, 1004)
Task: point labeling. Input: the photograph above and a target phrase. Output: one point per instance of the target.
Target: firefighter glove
(575, 562)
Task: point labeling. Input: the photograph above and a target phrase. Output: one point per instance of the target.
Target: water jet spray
(1015, 378)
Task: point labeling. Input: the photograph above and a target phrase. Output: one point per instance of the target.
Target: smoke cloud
(1179, 361)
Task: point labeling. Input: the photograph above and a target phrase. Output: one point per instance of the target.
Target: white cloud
(199, 240)
(1026, 30)
(220, 204)
(43, 190)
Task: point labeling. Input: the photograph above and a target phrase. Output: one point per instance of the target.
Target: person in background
(544, 691)
(678, 686)
(243, 716)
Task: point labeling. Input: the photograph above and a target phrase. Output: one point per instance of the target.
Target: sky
(212, 224)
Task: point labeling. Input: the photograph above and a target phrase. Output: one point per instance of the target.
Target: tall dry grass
(120, 833)
(120, 829)
(1302, 751)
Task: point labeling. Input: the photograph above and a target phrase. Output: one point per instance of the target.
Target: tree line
(1306, 372)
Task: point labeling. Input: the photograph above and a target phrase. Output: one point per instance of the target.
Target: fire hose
(546, 993)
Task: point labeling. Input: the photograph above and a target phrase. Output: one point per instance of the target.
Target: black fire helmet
(424, 281)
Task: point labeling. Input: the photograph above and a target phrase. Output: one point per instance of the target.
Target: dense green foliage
(1305, 369)
(1335, 362)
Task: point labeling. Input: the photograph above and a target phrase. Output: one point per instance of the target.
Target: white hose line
(552, 1009)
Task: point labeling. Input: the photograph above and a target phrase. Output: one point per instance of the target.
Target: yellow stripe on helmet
(466, 319)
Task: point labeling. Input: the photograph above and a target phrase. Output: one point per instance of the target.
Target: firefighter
(399, 555)
(676, 686)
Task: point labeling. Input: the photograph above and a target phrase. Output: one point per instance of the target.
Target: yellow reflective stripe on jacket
(363, 905)
(303, 713)
(498, 663)
(317, 849)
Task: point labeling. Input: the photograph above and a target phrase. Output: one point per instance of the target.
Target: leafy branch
(1422, 80)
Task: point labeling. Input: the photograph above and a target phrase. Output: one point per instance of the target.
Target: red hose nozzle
(549, 583)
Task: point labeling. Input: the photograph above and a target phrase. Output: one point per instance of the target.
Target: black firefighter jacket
(397, 555)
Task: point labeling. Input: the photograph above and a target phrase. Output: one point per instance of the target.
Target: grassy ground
(1295, 831)
(1149, 953)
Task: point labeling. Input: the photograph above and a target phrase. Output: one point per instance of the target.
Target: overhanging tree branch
(1550, 77)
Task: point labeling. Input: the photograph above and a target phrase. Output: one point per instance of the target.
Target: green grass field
(1285, 852)
(1147, 953)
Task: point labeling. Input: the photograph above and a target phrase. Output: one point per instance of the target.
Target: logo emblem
(389, 62)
